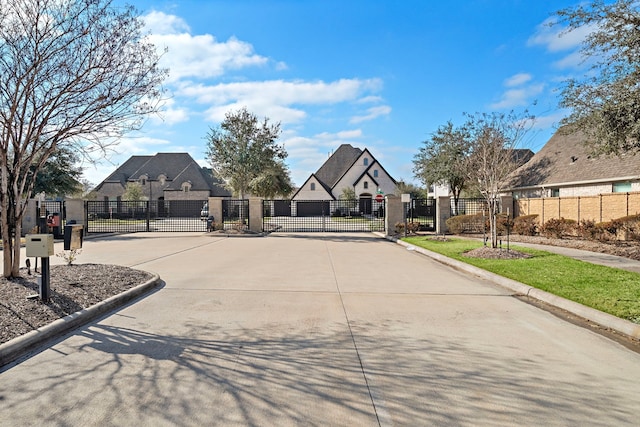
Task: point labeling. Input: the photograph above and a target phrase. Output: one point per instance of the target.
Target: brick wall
(600, 208)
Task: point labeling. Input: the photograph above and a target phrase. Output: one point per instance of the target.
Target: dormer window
(366, 161)
(162, 178)
(186, 186)
(143, 179)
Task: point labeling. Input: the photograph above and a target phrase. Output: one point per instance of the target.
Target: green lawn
(611, 290)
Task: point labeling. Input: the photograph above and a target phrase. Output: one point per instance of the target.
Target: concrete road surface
(318, 330)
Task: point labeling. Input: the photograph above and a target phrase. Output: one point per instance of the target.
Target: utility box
(39, 245)
(73, 237)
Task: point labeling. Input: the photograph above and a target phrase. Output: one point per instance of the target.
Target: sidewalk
(587, 256)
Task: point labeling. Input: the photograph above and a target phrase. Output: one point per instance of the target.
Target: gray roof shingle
(565, 159)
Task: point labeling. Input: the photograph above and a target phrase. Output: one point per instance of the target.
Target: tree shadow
(211, 376)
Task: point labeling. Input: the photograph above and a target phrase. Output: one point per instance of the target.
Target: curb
(606, 320)
(31, 341)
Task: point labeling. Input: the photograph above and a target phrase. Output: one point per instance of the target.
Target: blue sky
(381, 75)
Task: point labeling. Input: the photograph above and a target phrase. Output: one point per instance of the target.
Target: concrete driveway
(318, 329)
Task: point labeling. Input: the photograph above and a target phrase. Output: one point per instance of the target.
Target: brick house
(164, 176)
(564, 167)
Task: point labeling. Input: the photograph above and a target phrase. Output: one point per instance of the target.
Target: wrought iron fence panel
(473, 206)
(235, 214)
(423, 212)
(323, 215)
(135, 216)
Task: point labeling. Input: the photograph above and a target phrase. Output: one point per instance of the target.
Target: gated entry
(133, 216)
(321, 215)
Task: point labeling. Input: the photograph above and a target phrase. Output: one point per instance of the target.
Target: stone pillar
(443, 213)
(215, 209)
(30, 218)
(507, 205)
(255, 214)
(75, 211)
(393, 214)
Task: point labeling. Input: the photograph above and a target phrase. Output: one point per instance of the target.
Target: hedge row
(625, 228)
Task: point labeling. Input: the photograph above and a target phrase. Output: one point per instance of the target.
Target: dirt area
(73, 288)
(624, 249)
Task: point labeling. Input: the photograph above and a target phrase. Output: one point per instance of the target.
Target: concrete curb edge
(606, 320)
(23, 345)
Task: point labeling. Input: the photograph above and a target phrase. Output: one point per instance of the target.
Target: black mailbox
(73, 237)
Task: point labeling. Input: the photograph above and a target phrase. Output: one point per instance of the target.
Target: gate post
(75, 211)
(443, 213)
(393, 213)
(215, 209)
(255, 214)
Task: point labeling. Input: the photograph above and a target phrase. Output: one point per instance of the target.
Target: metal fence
(472, 206)
(235, 214)
(323, 215)
(133, 216)
(423, 212)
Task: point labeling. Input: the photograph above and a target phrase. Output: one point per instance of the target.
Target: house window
(555, 192)
(621, 187)
(366, 184)
(313, 186)
(186, 187)
(366, 161)
(162, 178)
(375, 173)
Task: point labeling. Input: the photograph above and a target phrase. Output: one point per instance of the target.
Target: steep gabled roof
(565, 159)
(123, 172)
(169, 164)
(337, 165)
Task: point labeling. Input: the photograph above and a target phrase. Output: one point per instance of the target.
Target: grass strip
(607, 289)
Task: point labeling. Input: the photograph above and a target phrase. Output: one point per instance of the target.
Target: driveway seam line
(353, 338)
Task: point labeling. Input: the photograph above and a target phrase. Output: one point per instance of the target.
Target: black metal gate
(321, 216)
(422, 211)
(133, 216)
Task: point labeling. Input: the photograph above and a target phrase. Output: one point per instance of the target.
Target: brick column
(255, 214)
(443, 213)
(507, 203)
(215, 208)
(393, 214)
(75, 210)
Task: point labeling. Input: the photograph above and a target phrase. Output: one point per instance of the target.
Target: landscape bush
(526, 225)
(460, 224)
(558, 228)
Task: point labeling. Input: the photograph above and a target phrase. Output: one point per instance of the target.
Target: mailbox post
(41, 245)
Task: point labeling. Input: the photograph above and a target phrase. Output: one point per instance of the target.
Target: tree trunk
(15, 271)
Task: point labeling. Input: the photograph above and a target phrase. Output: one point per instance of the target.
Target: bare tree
(494, 138)
(76, 74)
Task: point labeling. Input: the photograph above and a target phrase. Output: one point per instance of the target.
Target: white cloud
(276, 99)
(518, 79)
(518, 97)
(556, 38)
(372, 113)
(199, 56)
(162, 23)
(170, 115)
